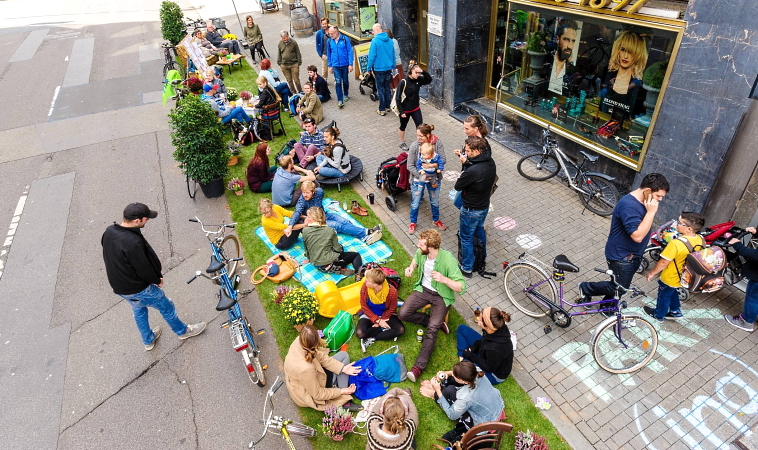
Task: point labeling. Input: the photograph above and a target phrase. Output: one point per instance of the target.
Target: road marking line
(12, 228)
(52, 104)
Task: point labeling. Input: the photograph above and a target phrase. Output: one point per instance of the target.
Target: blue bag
(366, 384)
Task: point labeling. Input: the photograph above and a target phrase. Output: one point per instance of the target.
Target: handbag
(366, 384)
(285, 150)
(339, 330)
(278, 268)
(393, 103)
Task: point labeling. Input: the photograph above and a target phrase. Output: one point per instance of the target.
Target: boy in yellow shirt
(667, 306)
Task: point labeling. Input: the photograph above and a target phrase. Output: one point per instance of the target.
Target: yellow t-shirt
(677, 252)
(274, 226)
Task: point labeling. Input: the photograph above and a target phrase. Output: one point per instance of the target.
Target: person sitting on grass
(280, 86)
(319, 84)
(378, 321)
(272, 219)
(493, 352)
(222, 109)
(667, 306)
(323, 249)
(466, 396)
(315, 379)
(311, 143)
(260, 177)
(334, 161)
(392, 422)
(309, 106)
(313, 196)
(286, 178)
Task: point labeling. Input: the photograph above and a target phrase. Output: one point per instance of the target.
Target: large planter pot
(213, 189)
(300, 327)
(537, 64)
(233, 161)
(651, 99)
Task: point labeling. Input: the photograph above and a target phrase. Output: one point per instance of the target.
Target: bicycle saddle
(225, 302)
(590, 158)
(215, 265)
(562, 263)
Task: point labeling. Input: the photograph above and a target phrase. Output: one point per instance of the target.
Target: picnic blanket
(308, 274)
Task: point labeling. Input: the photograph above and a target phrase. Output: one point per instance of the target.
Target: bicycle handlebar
(635, 290)
(220, 227)
(276, 386)
(724, 242)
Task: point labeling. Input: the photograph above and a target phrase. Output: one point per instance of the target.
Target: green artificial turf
(519, 407)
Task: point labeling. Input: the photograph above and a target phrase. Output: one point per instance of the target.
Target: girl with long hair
(492, 350)
(260, 175)
(392, 423)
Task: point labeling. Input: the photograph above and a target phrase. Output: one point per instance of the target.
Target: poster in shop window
(568, 34)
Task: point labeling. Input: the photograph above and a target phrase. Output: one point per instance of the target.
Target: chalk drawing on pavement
(528, 241)
(504, 223)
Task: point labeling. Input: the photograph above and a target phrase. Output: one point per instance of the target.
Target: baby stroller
(367, 80)
(393, 178)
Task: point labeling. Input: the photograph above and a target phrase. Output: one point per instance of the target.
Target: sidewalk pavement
(701, 389)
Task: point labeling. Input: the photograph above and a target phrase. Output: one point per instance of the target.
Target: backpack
(391, 275)
(480, 256)
(703, 269)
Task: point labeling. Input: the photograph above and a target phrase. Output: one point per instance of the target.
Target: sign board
(361, 57)
(434, 24)
(368, 18)
(193, 50)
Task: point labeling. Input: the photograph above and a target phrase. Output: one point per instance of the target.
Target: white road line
(52, 103)
(12, 228)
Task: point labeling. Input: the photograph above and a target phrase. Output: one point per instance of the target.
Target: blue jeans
(237, 113)
(458, 202)
(624, 271)
(750, 309)
(465, 338)
(344, 226)
(153, 297)
(382, 79)
(470, 224)
(284, 92)
(341, 81)
(417, 191)
(327, 171)
(668, 300)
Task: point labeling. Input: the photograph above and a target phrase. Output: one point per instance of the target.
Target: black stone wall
(400, 16)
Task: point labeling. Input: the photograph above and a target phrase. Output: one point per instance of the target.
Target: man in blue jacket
(381, 60)
(339, 53)
(322, 41)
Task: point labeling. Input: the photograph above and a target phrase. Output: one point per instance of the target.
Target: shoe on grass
(740, 323)
(352, 407)
(651, 312)
(366, 343)
(157, 333)
(445, 329)
(413, 374)
(193, 330)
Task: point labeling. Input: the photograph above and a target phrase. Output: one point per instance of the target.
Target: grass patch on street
(518, 406)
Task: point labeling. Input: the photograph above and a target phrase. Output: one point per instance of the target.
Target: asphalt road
(83, 135)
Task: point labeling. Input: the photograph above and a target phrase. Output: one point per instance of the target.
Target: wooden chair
(272, 113)
(485, 436)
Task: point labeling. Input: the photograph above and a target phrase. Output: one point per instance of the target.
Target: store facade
(649, 86)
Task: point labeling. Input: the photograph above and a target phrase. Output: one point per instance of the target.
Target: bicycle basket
(219, 22)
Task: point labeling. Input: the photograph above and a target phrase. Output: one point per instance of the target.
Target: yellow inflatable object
(333, 299)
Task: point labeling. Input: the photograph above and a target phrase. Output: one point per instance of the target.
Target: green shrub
(198, 139)
(172, 26)
(655, 74)
(537, 42)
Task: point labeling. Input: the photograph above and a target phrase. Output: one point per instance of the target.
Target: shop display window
(596, 80)
(354, 18)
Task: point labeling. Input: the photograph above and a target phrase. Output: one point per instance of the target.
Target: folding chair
(270, 114)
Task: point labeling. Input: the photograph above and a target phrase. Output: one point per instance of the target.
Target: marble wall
(400, 16)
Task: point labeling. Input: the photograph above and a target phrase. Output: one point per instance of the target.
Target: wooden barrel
(302, 23)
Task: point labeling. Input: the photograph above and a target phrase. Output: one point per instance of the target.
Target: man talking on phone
(631, 224)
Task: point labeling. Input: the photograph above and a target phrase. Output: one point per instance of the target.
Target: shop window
(595, 79)
(354, 18)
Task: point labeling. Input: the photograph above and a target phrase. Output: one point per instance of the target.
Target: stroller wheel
(373, 97)
(655, 254)
(643, 265)
(363, 91)
(683, 294)
(391, 204)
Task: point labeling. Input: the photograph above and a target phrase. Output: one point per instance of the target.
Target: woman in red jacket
(259, 175)
(378, 306)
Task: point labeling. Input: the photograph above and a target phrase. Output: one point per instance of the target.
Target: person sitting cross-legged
(273, 221)
(323, 249)
(378, 306)
(225, 111)
(311, 143)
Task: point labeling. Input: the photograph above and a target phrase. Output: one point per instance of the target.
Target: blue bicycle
(226, 250)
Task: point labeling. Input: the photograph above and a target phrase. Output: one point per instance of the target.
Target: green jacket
(289, 53)
(447, 265)
(321, 244)
(252, 34)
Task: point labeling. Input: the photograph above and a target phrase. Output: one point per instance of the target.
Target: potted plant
(194, 85)
(299, 307)
(231, 94)
(536, 47)
(234, 150)
(245, 96)
(652, 80)
(172, 26)
(236, 185)
(199, 144)
(337, 422)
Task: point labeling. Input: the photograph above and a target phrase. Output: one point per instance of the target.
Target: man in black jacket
(476, 185)
(134, 273)
(746, 320)
(215, 38)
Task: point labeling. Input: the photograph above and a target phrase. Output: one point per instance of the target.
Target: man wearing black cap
(134, 272)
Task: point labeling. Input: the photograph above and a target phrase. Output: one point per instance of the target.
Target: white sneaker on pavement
(193, 330)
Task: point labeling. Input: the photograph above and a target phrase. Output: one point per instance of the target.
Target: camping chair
(272, 113)
(485, 436)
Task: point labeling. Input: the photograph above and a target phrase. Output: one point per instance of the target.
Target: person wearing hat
(224, 111)
(134, 273)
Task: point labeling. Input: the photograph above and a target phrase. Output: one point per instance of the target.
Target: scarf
(380, 297)
(487, 321)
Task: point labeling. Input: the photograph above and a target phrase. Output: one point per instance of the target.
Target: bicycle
(170, 61)
(622, 343)
(226, 250)
(596, 190)
(280, 425)
(220, 25)
(192, 25)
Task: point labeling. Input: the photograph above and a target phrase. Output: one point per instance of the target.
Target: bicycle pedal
(245, 292)
(265, 367)
(260, 332)
(224, 325)
(547, 329)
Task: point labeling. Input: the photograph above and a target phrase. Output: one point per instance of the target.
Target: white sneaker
(366, 343)
(157, 333)
(372, 236)
(740, 323)
(193, 330)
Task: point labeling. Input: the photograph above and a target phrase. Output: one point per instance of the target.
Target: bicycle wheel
(230, 249)
(191, 186)
(598, 195)
(173, 65)
(299, 429)
(223, 31)
(610, 351)
(527, 287)
(538, 166)
(257, 376)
